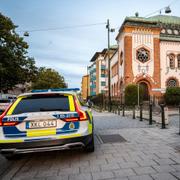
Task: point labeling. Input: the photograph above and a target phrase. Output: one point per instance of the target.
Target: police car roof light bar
(52, 90)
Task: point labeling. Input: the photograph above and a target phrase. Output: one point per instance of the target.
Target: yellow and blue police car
(46, 120)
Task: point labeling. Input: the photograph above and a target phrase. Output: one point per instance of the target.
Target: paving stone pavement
(149, 153)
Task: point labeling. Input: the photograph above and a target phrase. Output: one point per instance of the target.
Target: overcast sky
(70, 50)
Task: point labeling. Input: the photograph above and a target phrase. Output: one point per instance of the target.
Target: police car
(46, 120)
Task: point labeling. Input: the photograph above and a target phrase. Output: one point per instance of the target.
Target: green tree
(172, 95)
(15, 66)
(131, 94)
(48, 78)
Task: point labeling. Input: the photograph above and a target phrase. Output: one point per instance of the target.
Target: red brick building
(148, 54)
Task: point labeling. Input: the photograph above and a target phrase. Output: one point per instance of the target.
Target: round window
(143, 55)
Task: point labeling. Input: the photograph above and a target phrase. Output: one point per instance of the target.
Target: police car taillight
(1, 117)
(71, 119)
(6, 123)
(82, 114)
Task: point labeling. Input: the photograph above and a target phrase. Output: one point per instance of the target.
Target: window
(172, 83)
(115, 69)
(172, 61)
(178, 61)
(143, 55)
(103, 83)
(121, 58)
(42, 103)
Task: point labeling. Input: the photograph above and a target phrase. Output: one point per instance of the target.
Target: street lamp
(167, 10)
(87, 83)
(26, 34)
(109, 68)
(138, 95)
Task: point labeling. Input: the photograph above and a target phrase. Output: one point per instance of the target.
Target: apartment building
(97, 73)
(85, 88)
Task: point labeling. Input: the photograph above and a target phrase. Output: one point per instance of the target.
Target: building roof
(158, 21)
(165, 19)
(114, 47)
(103, 52)
(95, 56)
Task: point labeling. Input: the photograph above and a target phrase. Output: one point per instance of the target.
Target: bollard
(109, 107)
(118, 110)
(123, 110)
(179, 119)
(150, 113)
(134, 113)
(115, 109)
(140, 111)
(163, 116)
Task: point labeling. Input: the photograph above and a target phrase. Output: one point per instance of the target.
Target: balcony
(92, 93)
(93, 78)
(93, 86)
(103, 75)
(103, 83)
(103, 67)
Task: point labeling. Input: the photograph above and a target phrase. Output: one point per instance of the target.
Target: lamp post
(87, 83)
(138, 95)
(109, 68)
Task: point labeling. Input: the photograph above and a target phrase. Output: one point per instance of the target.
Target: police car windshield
(42, 103)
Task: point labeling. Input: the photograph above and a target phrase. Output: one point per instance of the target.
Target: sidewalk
(148, 153)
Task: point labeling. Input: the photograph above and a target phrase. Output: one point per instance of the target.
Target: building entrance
(145, 91)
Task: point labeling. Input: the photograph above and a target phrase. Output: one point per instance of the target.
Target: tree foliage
(15, 66)
(131, 94)
(98, 99)
(172, 95)
(48, 78)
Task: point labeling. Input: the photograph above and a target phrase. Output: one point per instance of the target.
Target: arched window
(117, 88)
(121, 58)
(171, 83)
(114, 89)
(178, 61)
(172, 61)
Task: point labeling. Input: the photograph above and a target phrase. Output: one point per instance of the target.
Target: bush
(97, 100)
(172, 95)
(131, 94)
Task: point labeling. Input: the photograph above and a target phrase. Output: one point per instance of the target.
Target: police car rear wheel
(90, 146)
(11, 157)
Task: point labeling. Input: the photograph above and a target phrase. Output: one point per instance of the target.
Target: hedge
(131, 94)
(172, 96)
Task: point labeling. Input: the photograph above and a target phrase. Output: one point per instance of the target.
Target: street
(142, 152)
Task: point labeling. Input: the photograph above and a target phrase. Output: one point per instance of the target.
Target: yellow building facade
(85, 88)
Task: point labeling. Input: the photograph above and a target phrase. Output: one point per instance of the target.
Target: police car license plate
(41, 124)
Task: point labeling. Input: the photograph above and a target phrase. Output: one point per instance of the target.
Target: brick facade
(128, 74)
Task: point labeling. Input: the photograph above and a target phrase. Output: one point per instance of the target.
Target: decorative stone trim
(172, 78)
